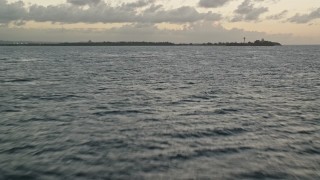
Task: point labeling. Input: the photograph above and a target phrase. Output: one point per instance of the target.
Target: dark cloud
(305, 18)
(11, 12)
(212, 3)
(178, 15)
(83, 2)
(278, 16)
(248, 12)
(139, 4)
(75, 14)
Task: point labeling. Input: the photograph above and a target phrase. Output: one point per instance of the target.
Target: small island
(141, 43)
(255, 43)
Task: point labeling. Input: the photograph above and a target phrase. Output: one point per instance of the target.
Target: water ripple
(159, 112)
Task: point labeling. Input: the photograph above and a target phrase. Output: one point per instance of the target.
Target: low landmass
(133, 43)
(255, 43)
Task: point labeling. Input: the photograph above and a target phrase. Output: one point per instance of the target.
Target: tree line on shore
(141, 43)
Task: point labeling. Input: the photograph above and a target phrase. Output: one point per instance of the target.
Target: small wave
(10, 110)
(30, 175)
(48, 150)
(207, 132)
(99, 108)
(215, 112)
(206, 95)
(197, 98)
(219, 151)
(301, 132)
(101, 144)
(19, 80)
(274, 149)
(73, 159)
(311, 150)
(226, 110)
(207, 153)
(121, 112)
(160, 89)
(183, 101)
(4, 69)
(151, 147)
(309, 132)
(262, 175)
(150, 120)
(38, 119)
(203, 97)
(18, 149)
(51, 97)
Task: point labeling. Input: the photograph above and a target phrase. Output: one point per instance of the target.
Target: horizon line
(30, 42)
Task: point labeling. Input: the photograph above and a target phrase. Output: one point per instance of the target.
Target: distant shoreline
(255, 43)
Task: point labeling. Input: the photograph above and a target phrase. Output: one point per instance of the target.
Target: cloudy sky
(286, 21)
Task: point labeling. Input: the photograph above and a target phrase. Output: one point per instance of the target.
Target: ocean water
(160, 112)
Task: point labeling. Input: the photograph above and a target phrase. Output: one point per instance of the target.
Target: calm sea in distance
(160, 112)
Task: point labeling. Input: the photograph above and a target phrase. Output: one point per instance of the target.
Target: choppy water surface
(160, 112)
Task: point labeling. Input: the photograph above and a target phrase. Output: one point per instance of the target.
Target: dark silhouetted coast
(133, 43)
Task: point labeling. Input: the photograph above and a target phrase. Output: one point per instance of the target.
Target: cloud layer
(142, 11)
(83, 2)
(212, 3)
(305, 18)
(248, 12)
(198, 32)
(11, 12)
(204, 20)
